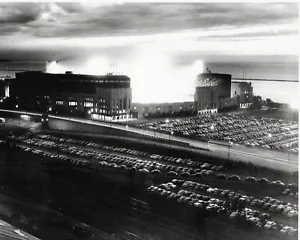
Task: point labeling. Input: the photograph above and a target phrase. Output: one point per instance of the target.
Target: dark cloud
(75, 19)
(18, 13)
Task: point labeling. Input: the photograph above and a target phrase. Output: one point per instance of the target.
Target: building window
(59, 102)
(72, 103)
(89, 99)
(88, 104)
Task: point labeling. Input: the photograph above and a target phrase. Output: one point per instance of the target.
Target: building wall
(245, 92)
(103, 95)
(222, 81)
(229, 102)
(207, 98)
(210, 89)
(235, 89)
(2, 89)
(144, 109)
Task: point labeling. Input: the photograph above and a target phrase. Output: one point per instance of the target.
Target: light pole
(126, 127)
(170, 133)
(212, 128)
(270, 137)
(229, 147)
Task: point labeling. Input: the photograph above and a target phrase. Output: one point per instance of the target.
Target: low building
(229, 102)
(140, 110)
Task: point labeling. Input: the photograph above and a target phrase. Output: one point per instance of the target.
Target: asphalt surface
(10, 232)
(263, 157)
(259, 156)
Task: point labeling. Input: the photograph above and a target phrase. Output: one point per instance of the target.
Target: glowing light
(53, 67)
(155, 79)
(198, 67)
(269, 135)
(294, 103)
(25, 117)
(50, 109)
(212, 127)
(167, 121)
(96, 66)
(17, 106)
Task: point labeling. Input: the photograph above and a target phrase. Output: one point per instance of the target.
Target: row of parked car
(162, 158)
(249, 130)
(288, 192)
(110, 159)
(266, 203)
(174, 160)
(170, 165)
(294, 150)
(172, 191)
(56, 156)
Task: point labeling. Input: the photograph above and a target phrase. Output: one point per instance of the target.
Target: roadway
(259, 156)
(10, 232)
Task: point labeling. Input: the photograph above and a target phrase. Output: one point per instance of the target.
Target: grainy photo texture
(148, 121)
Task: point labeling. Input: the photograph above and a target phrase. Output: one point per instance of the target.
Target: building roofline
(73, 74)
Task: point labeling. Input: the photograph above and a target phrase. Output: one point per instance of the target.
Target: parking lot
(260, 213)
(200, 184)
(251, 131)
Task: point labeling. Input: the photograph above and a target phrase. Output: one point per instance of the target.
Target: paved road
(8, 232)
(264, 157)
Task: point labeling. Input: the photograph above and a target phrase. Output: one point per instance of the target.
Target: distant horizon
(160, 46)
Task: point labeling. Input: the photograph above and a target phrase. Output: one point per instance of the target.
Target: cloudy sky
(161, 46)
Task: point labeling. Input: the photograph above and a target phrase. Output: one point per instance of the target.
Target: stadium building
(107, 97)
(211, 88)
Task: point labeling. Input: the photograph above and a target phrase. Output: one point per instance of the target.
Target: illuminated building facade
(107, 97)
(211, 88)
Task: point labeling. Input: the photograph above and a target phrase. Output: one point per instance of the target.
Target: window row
(75, 103)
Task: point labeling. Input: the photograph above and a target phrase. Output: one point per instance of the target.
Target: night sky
(161, 46)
